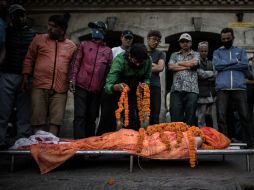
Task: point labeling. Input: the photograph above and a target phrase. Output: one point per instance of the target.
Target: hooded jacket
(91, 66)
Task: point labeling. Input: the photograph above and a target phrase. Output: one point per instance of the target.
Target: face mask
(96, 34)
(228, 44)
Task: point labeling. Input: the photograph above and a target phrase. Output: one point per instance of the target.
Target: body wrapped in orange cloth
(162, 141)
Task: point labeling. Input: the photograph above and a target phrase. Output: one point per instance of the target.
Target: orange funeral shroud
(174, 140)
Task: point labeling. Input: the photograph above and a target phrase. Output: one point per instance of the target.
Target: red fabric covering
(214, 138)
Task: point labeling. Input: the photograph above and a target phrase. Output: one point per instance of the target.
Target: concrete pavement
(83, 173)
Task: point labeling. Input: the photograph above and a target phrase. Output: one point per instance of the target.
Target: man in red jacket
(89, 71)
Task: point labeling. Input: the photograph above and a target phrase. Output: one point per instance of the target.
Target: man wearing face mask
(231, 63)
(18, 37)
(132, 68)
(89, 71)
(48, 61)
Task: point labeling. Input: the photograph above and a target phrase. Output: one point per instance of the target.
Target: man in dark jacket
(18, 38)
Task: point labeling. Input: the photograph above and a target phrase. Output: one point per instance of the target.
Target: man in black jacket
(18, 38)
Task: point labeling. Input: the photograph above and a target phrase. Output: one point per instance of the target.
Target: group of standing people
(38, 70)
(199, 84)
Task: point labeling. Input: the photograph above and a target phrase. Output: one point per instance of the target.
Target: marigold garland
(143, 103)
(140, 140)
(178, 128)
(123, 105)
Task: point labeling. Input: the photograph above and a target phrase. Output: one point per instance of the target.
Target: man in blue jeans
(184, 89)
(231, 64)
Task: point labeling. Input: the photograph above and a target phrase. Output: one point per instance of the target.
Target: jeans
(183, 107)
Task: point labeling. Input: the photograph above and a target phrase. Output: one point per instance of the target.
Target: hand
(72, 86)
(141, 85)
(25, 84)
(234, 61)
(119, 87)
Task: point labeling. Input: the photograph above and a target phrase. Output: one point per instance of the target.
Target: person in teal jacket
(131, 68)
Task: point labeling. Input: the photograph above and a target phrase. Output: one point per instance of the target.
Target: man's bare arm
(177, 67)
(156, 68)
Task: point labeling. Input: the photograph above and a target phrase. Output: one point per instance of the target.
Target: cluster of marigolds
(178, 128)
(143, 103)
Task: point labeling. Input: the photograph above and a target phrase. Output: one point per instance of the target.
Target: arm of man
(238, 64)
(205, 74)
(113, 75)
(221, 64)
(148, 69)
(2, 54)
(29, 61)
(174, 66)
(76, 63)
(157, 68)
(190, 63)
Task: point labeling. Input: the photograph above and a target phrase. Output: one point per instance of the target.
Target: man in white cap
(184, 90)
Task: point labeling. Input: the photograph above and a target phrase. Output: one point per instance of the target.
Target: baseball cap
(16, 7)
(185, 36)
(98, 25)
(127, 33)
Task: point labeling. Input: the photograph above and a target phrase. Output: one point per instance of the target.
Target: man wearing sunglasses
(184, 89)
(126, 40)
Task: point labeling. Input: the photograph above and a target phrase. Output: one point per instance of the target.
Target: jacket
(92, 63)
(48, 61)
(206, 78)
(17, 43)
(231, 65)
(122, 72)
